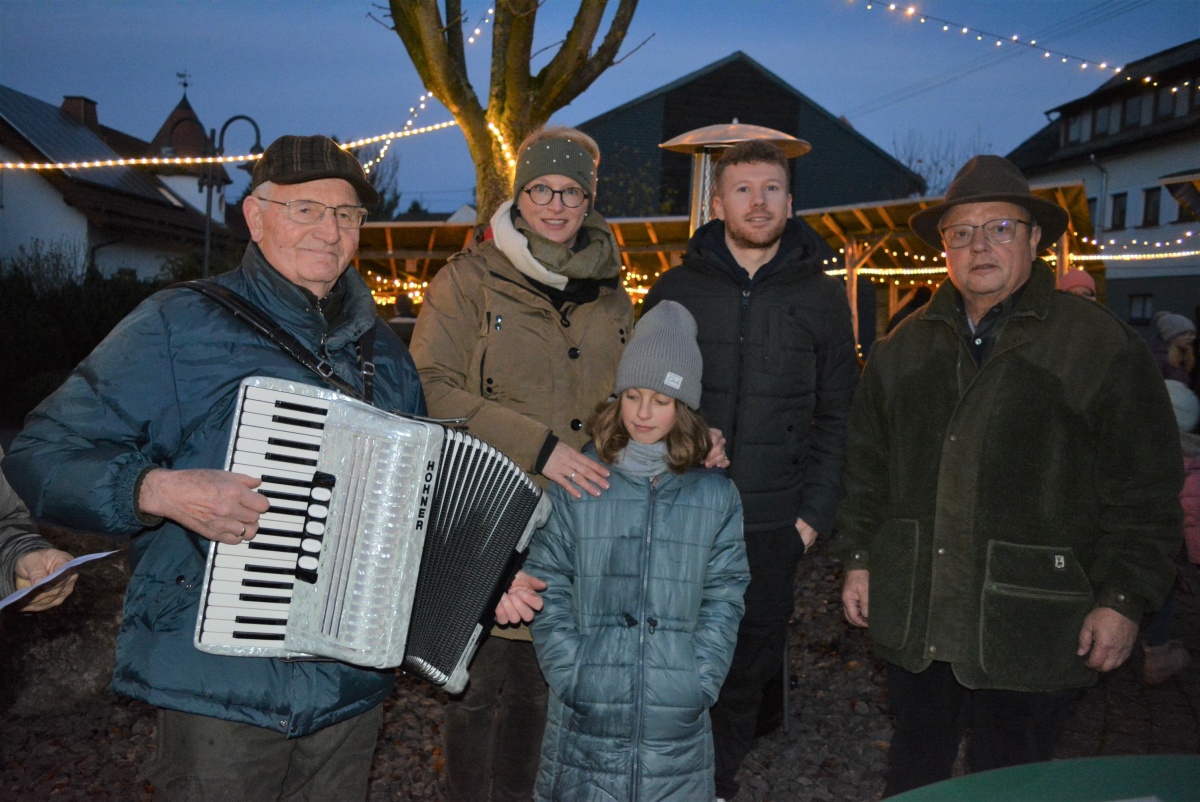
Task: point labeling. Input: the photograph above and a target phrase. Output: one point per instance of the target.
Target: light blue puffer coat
(160, 391)
(645, 592)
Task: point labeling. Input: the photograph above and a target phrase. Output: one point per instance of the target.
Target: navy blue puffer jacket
(160, 392)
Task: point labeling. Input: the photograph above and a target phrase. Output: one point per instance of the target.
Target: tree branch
(572, 71)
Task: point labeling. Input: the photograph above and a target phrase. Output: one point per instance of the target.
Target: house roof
(182, 134)
(1161, 63)
(61, 138)
(123, 198)
(739, 57)
(1045, 149)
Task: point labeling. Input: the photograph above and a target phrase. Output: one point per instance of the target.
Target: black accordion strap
(264, 325)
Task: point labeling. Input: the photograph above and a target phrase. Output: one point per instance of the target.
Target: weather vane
(183, 79)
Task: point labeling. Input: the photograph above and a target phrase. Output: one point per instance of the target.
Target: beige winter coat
(493, 350)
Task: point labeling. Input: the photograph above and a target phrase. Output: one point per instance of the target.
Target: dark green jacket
(996, 506)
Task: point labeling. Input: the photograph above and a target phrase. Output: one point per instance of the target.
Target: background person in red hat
(1079, 282)
(1012, 480)
(133, 444)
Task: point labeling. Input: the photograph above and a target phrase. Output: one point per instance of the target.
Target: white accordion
(388, 541)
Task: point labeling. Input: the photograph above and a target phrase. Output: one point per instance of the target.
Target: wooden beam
(662, 257)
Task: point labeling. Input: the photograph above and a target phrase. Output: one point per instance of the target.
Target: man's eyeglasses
(997, 232)
(310, 212)
(572, 197)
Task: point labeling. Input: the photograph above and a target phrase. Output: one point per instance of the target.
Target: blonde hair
(687, 443)
(1180, 355)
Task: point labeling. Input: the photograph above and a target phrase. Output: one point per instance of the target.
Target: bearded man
(779, 373)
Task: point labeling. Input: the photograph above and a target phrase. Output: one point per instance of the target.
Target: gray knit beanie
(663, 356)
(555, 156)
(1171, 325)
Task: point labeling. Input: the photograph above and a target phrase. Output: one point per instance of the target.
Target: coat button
(573, 353)
(933, 650)
(577, 424)
(179, 580)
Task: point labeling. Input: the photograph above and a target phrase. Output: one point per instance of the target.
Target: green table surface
(1165, 778)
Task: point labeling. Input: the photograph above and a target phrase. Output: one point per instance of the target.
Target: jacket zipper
(483, 356)
(743, 317)
(636, 768)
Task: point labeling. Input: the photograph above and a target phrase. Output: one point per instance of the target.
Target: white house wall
(32, 209)
(1173, 284)
(187, 188)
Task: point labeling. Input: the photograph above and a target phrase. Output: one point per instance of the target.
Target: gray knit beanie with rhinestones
(555, 156)
(663, 356)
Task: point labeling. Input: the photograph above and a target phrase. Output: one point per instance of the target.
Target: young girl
(644, 589)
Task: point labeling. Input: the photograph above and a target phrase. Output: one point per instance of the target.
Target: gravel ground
(75, 740)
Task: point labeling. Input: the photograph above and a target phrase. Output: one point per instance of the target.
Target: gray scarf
(639, 459)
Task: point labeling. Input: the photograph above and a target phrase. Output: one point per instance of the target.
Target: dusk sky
(333, 67)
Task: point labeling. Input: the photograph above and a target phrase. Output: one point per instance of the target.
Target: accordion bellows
(388, 540)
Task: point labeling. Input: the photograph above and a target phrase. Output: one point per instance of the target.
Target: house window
(1182, 214)
(1151, 204)
(1073, 129)
(1132, 116)
(1091, 202)
(1100, 126)
(1164, 106)
(1141, 308)
(1119, 202)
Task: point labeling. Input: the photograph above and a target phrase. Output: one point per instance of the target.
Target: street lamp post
(210, 174)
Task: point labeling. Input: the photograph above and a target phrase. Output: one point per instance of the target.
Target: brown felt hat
(297, 159)
(991, 179)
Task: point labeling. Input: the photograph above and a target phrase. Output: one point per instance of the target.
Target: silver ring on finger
(572, 476)
(242, 534)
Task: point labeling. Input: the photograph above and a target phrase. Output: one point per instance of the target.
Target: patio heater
(706, 143)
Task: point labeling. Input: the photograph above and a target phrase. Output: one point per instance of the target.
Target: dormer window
(1164, 105)
(1074, 129)
(1100, 125)
(1132, 116)
(1151, 206)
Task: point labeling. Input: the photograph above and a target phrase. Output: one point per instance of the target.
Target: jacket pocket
(788, 349)
(1034, 601)
(893, 581)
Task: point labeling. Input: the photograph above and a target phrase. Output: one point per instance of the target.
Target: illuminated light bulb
(1045, 55)
(965, 30)
(945, 27)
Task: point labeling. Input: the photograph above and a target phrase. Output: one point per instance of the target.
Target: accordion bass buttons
(314, 527)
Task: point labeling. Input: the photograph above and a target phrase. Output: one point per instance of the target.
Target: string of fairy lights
(981, 35)
(925, 269)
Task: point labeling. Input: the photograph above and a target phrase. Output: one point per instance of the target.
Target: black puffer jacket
(779, 370)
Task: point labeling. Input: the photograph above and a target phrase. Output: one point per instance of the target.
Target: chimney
(82, 109)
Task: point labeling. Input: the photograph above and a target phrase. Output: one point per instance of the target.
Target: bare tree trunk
(518, 101)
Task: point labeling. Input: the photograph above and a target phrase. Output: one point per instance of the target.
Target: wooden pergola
(873, 239)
